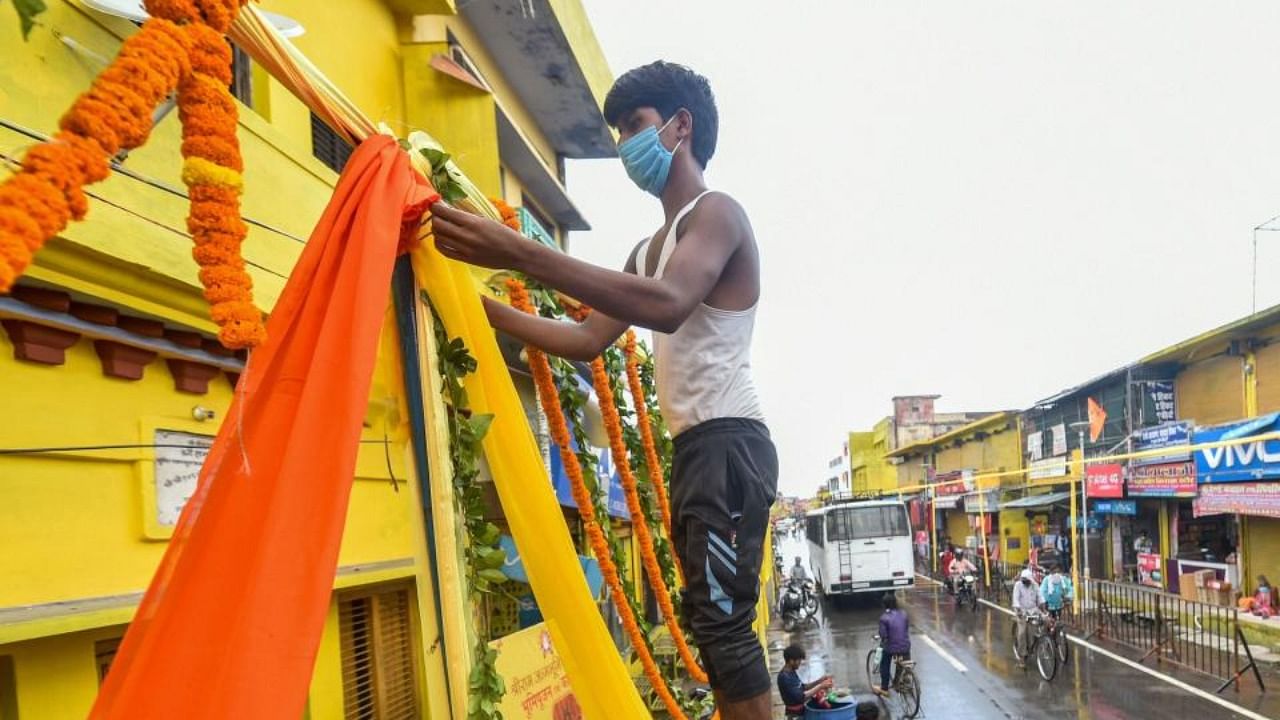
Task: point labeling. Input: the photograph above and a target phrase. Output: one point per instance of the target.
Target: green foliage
(27, 12)
(483, 554)
(442, 178)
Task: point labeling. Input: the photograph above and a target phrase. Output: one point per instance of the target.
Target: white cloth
(703, 369)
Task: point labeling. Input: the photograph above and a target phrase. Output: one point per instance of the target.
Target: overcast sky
(990, 201)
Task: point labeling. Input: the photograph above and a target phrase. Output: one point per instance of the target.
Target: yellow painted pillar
(933, 521)
(1077, 479)
(1251, 410)
(1165, 536)
(982, 533)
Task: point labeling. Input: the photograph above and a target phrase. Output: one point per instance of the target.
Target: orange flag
(1097, 418)
(231, 623)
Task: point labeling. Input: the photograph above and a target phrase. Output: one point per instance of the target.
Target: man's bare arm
(575, 341)
(713, 235)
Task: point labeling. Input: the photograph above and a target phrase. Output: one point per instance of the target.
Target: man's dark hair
(890, 601)
(793, 652)
(667, 87)
(867, 710)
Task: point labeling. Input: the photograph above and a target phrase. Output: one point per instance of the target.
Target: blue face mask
(647, 160)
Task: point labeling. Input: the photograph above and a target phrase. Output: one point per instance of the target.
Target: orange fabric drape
(230, 626)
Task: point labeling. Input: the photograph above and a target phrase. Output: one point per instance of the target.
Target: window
(241, 76)
(8, 689)
(104, 652)
(379, 677)
(813, 529)
(861, 523)
(328, 146)
(542, 218)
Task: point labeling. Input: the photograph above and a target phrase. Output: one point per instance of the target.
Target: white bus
(860, 547)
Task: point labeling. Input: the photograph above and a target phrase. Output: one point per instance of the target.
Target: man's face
(795, 664)
(637, 120)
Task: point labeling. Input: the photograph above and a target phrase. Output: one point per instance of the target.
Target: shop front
(1145, 547)
(1040, 523)
(1239, 501)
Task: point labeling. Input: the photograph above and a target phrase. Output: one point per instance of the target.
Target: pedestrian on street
(696, 283)
(895, 638)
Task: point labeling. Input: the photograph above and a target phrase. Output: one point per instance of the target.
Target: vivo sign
(1251, 460)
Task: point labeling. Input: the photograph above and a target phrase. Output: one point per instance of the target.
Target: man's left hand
(475, 240)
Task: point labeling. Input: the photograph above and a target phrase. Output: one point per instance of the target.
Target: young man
(1056, 591)
(895, 638)
(794, 692)
(696, 283)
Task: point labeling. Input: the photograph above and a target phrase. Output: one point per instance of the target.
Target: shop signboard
(1035, 445)
(1169, 435)
(1149, 572)
(1165, 480)
(1251, 460)
(537, 685)
(1105, 480)
(1047, 468)
(1161, 394)
(1059, 433)
(1116, 507)
(606, 475)
(1258, 499)
(955, 483)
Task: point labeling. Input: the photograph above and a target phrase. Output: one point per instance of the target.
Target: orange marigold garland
(618, 446)
(509, 216)
(653, 462)
(550, 399)
(181, 47)
(212, 172)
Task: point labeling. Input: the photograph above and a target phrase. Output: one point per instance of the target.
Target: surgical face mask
(1026, 581)
(647, 160)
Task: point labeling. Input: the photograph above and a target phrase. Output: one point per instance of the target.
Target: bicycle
(1037, 643)
(1057, 632)
(904, 690)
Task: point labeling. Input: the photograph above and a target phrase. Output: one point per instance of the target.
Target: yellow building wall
(1211, 391)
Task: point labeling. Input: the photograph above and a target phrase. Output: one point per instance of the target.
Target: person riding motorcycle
(798, 573)
(961, 565)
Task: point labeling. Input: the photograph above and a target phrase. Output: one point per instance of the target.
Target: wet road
(966, 668)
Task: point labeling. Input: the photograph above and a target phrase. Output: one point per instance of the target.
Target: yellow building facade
(870, 472)
(113, 381)
(966, 469)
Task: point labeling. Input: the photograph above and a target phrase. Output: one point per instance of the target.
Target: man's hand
(476, 240)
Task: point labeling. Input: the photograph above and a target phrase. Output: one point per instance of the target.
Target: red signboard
(1105, 480)
(1164, 480)
(1257, 499)
(1149, 572)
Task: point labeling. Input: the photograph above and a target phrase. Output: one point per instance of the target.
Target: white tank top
(703, 369)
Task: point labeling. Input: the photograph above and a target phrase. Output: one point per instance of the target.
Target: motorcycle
(799, 604)
(967, 592)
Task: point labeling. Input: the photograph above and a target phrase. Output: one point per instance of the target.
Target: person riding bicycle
(1026, 601)
(895, 637)
(794, 692)
(1056, 591)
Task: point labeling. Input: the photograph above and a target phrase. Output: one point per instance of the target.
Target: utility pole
(1084, 485)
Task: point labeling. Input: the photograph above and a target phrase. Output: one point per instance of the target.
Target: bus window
(863, 523)
(813, 529)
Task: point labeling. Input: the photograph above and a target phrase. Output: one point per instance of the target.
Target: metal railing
(1170, 628)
